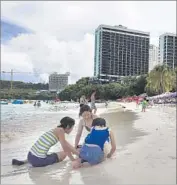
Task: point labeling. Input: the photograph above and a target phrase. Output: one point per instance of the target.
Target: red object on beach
(57, 100)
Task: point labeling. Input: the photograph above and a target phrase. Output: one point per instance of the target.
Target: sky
(63, 32)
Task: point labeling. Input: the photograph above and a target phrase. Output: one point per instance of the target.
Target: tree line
(25, 94)
(22, 90)
(5, 84)
(161, 79)
(111, 91)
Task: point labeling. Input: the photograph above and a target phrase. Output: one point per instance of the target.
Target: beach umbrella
(174, 94)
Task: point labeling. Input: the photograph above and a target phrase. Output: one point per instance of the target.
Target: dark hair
(66, 122)
(99, 122)
(83, 109)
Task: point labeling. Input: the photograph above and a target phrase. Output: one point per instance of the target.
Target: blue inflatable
(17, 102)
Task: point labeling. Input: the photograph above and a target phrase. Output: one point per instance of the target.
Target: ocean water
(12, 111)
(19, 120)
(21, 125)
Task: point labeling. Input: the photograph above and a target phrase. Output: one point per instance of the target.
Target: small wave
(16, 172)
(7, 136)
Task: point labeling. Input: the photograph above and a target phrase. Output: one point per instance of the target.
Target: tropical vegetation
(160, 80)
(26, 94)
(128, 87)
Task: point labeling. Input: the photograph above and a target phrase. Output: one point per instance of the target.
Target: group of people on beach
(91, 151)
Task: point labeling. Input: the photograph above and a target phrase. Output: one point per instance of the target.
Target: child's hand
(109, 155)
(76, 164)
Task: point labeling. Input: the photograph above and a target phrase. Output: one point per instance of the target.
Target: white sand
(149, 160)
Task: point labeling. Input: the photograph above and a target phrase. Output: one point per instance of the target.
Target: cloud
(22, 60)
(64, 31)
(46, 54)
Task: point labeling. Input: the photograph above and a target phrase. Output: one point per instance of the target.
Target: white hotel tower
(153, 56)
(168, 49)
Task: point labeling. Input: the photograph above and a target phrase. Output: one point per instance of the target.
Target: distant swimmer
(106, 104)
(38, 155)
(38, 104)
(93, 106)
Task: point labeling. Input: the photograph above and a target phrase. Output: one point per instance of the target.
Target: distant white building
(153, 56)
(168, 49)
(58, 82)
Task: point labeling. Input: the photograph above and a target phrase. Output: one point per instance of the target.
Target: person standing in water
(106, 103)
(38, 104)
(144, 105)
(82, 100)
(92, 98)
(137, 102)
(38, 155)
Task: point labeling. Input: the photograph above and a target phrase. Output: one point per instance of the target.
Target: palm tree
(160, 79)
(174, 79)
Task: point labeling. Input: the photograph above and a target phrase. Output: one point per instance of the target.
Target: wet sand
(146, 154)
(121, 123)
(152, 159)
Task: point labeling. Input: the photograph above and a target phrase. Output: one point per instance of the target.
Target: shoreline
(145, 152)
(153, 157)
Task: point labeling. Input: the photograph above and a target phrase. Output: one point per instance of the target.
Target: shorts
(41, 162)
(93, 106)
(91, 154)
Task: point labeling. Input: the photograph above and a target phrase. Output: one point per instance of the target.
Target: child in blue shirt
(92, 149)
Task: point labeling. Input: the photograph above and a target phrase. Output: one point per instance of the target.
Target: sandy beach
(146, 152)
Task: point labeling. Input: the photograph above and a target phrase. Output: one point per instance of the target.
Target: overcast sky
(64, 31)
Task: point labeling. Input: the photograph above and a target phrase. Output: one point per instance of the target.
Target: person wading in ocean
(92, 98)
(82, 100)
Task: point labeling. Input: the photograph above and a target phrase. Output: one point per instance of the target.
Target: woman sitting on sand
(92, 150)
(85, 122)
(38, 155)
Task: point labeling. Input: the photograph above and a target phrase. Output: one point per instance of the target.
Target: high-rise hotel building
(120, 52)
(168, 49)
(153, 56)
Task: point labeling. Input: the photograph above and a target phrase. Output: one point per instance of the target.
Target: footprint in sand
(172, 157)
